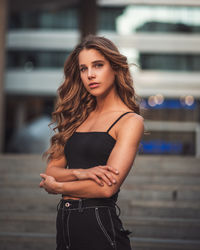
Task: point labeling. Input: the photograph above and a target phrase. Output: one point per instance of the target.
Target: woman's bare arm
(121, 158)
(56, 168)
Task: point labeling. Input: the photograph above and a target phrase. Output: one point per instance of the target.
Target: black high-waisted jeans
(90, 224)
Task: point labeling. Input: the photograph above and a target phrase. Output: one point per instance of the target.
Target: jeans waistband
(85, 203)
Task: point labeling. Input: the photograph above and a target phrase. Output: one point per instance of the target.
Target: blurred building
(161, 37)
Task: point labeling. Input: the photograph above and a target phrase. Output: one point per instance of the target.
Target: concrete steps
(162, 228)
(163, 244)
(33, 241)
(151, 227)
(28, 222)
(160, 209)
(161, 193)
(28, 241)
(159, 201)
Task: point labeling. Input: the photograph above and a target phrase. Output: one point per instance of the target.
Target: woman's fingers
(102, 174)
(110, 168)
(41, 183)
(113, 170)
(106, 180)
(108, 174)
(44, 176)
(99, 174)
(111, 177)
(96, 179)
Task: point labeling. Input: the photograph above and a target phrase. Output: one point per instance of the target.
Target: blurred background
(162, 37)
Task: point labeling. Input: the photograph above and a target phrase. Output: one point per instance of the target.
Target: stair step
(132, 181)
(136, 192)
(161, 194)
(32, 241)
(169, 209)
(27, 200)
(148, 165)
(162, 180)
(171, 164)
(164, 244)
(28, 222)
(140, 226)
(149, 227)
(24, 241)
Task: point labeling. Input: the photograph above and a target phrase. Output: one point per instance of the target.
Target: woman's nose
(91, 73)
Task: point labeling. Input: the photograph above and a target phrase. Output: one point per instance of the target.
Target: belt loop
(80, 208)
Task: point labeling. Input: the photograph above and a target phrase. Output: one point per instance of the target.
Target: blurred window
(169, 142)
(183, 109)
(172, 62)
(159, 19)
(107, 17)
(57, 19)
(29, 60)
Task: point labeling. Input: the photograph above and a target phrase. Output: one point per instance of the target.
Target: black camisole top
(89, 149)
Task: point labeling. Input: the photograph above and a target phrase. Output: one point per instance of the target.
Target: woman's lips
(93, 85)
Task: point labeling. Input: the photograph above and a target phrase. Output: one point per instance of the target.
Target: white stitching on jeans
(68, 228)
(113, 228)
(66, 245)
(102, 227)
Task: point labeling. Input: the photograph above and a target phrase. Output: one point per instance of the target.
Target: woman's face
(96, 72)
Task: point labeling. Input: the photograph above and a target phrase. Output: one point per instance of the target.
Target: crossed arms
(94, 182)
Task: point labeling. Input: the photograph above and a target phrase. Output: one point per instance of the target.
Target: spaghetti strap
(118, 120)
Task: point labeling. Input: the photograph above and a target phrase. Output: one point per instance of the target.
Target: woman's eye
(98, 65)
(82, 69)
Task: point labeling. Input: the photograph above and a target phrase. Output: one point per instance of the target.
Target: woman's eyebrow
(96, 61)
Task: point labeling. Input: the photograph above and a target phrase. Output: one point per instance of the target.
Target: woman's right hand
(99, 174)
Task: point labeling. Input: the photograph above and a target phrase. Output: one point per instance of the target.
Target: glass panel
(36, 59)
(62, 19)
(160, 109)
(172, 143)
(159, 19)
(107, 18)
(149, 61)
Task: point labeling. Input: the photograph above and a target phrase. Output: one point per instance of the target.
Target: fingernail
(117, 171)
(114, 181)
(110, 184)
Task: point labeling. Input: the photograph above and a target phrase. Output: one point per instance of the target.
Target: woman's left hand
(48, 183)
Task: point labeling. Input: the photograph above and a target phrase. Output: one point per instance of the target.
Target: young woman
(99, 128)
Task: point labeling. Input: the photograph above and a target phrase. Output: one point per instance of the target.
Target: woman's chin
(96, 93)
(99, 92)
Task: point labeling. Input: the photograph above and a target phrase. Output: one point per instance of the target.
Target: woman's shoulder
(131, 123)
(132, 117)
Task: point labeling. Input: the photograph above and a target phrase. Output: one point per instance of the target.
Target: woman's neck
(108, 102)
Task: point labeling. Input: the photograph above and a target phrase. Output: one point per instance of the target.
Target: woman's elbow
(51, 171)
(109, 192)
(48, 171)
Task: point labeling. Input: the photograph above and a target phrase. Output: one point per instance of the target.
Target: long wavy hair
(75, 103)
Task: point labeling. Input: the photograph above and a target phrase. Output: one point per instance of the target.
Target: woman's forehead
(90, 55)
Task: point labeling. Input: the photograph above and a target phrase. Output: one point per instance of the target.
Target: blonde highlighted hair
(75, 103)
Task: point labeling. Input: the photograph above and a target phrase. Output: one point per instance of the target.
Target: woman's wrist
(76, 173)
(59, 187)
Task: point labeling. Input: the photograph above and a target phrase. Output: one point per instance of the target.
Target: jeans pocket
(103, 228)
